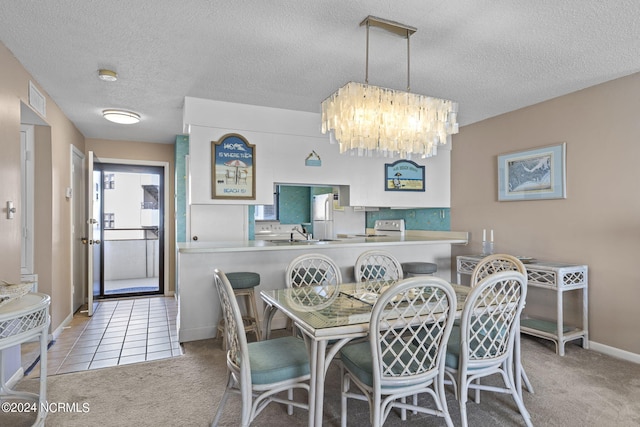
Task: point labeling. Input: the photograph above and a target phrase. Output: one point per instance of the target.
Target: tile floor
(120, 332)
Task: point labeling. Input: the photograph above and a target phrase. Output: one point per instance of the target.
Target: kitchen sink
(300, 242)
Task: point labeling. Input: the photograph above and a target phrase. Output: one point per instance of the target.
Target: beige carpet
(582, 389)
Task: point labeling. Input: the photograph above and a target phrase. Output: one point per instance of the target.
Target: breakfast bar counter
(198, 305)
(415, 238)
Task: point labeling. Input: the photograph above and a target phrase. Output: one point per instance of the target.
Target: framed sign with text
(233, 168)
(403, 175)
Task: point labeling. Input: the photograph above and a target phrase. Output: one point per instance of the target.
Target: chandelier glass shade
(366, 119)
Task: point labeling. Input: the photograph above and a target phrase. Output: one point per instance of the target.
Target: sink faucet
(303, 232)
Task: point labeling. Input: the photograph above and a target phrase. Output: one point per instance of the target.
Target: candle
(492, 235)
(484, 234)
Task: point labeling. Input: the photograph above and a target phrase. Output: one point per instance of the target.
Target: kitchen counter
(410, 238)
(198, 305)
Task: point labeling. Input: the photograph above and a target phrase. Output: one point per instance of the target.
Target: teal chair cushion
(243, 279)
(306, 276)
(452, 358)
(419, 267)
(373, 272)
(358, 360)
(277, 360)
(489, 327)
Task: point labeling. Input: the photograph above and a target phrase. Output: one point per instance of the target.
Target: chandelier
(366, 119)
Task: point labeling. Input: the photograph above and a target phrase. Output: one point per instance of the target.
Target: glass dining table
(329, 317)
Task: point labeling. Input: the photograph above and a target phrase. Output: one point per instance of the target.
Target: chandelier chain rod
(366, 69)
(408, 63)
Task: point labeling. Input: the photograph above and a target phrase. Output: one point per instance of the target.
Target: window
(150, 197)
(109, 181)
(268, 212)
(109, 220)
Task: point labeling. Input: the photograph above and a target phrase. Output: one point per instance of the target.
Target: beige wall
(53, 224)
(12, 88)
(128, 150)
(53, 176)
(599, 222)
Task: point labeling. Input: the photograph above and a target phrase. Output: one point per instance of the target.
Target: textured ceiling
(492, 56)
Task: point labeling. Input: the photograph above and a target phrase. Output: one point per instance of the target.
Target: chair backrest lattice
(312, 269)
(488, 323)
(410, 326)
(494, 264)
(377, 265)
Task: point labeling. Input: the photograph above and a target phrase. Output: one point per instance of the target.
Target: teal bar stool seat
(412, 269)
(243, 284)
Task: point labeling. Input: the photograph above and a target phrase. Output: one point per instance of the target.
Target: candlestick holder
(487, 248)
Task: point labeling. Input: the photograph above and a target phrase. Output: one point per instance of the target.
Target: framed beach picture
(403, 175)
(233, 168)
(533, 174)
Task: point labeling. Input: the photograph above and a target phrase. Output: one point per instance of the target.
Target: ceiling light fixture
(107, 75)
(366, 119)
(121, 116)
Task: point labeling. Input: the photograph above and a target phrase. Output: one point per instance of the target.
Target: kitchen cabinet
(283, 139)
(210, 223)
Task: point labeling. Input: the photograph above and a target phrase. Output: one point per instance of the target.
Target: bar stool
(412, 269)
(243, 284)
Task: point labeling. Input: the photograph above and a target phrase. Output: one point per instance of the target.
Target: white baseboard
(614, 352)
(55, 334)
(17, 376)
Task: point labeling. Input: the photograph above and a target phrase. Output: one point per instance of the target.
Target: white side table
(20, 321)
(556, 277)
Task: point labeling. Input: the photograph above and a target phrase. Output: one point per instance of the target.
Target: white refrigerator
(323, 216)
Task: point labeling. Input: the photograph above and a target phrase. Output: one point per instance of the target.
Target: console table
(558, 277)
(21, 320)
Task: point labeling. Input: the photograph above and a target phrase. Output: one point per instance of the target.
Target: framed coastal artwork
(403, 175)
(233, 168)
(535, 174)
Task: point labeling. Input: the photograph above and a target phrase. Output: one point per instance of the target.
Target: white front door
(94, 232)
(78, 229)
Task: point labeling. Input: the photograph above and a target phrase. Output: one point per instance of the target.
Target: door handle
(93, 221)
(96, 242)
(84, 240)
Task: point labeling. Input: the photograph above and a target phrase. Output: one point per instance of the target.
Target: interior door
(94, 233)
(79, 229)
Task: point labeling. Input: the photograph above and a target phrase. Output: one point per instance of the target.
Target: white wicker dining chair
(484, 345)
(258, 371)
(311, 269)
(377, 265)
(493, 264)
(404, 356)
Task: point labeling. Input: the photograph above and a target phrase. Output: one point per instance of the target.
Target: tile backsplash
(435, 219)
